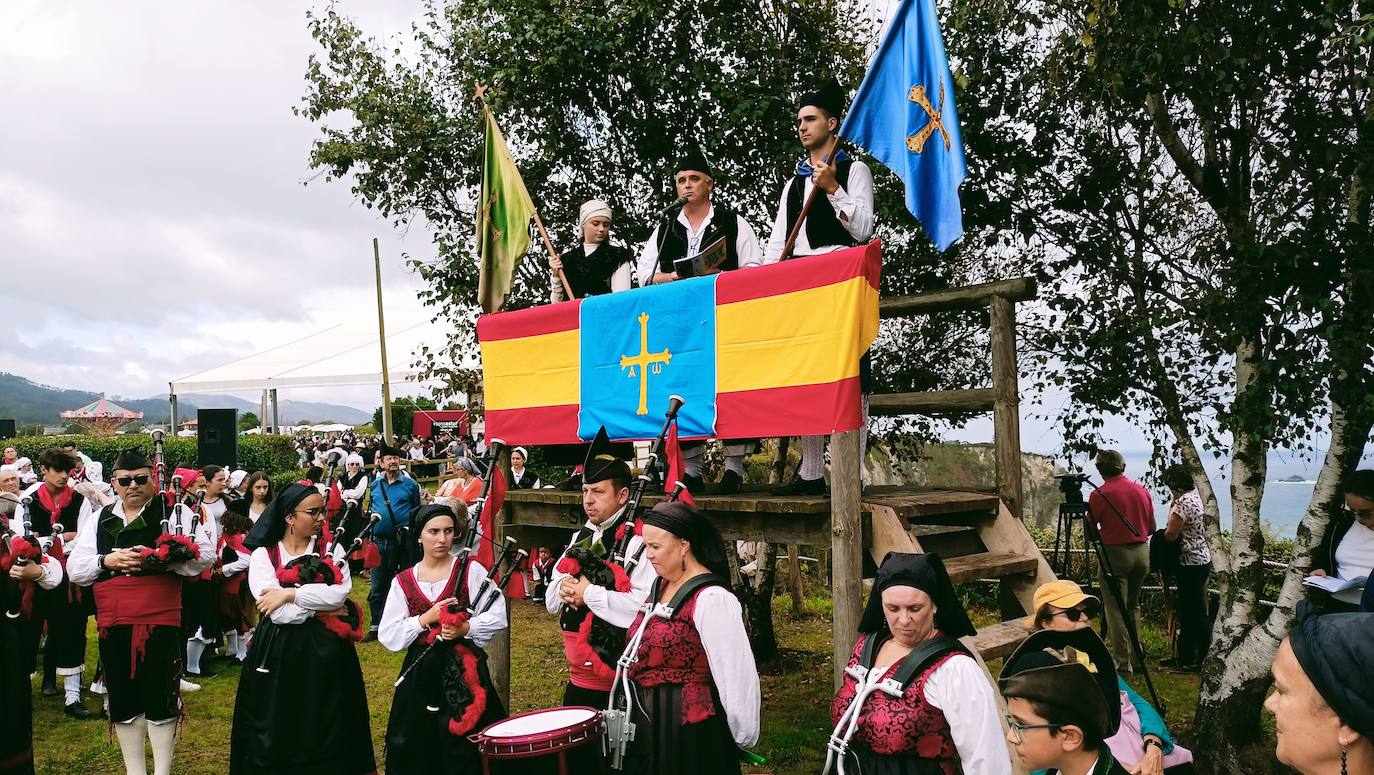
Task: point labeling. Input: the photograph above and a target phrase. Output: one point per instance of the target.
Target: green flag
(503, 219)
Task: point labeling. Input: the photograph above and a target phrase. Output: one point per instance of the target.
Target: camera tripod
(1074, 508)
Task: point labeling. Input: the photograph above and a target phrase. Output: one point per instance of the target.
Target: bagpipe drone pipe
(20, 548)
(179, 522)
(613, 572)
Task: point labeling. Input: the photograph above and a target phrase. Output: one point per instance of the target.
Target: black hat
(131, 460)
(387, 449)
(1071, 670)
(601, 464)
(430, 511)
(827, 95)
(925, 572)
(271, 526)
(1335, 651)
(694, 159)
(684, 521)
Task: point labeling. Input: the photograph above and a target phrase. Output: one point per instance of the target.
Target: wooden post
(1006, 421)
(846, 544)
(794, 581)
(381, 342)
(498, 650)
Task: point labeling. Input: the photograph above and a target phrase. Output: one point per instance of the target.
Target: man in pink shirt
(1117, 502)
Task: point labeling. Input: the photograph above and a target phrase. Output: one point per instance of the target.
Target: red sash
(153, 600)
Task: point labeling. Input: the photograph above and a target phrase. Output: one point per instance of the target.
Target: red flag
(496, 497)
(673, 462)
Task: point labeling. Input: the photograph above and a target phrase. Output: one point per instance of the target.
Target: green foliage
(255, 453)
(283, 478)
(403, 413)
(585, 117)
(248, 420)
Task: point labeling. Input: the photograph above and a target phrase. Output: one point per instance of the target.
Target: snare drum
(566, 741)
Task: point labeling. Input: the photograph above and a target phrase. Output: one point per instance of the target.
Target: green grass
(796, 697)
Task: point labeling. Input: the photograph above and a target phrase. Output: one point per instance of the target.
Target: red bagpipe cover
(27, 549)
(312, 569)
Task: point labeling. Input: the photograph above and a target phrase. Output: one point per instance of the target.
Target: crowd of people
(650, 627)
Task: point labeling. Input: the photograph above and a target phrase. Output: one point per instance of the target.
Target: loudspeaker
(217, 437)
(7, 429)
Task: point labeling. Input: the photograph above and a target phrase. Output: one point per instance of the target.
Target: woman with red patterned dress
(449, 694)
(946, 719)
(696, 685)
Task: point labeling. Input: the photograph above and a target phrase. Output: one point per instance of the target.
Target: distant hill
(29, 402)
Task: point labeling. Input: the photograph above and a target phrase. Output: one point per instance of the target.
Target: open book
(1333, 584)
(708, 261)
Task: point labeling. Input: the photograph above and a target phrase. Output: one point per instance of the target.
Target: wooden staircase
(976, 536)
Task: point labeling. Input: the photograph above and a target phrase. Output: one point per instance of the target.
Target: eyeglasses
(1074, 614)
(315, 513)
(125, 481)
(1363, 515)
(1017, 728)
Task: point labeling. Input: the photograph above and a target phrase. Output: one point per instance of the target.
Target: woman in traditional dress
(21, 575)
(259, 495)
(521, 478)
(947, 719)
(301, 705)
(236, 608)
(438, 598)
(694, 674)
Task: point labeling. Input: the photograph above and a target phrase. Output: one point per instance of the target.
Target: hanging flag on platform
(503, 219)
(674, 468)
(903, 114)
(761, 351)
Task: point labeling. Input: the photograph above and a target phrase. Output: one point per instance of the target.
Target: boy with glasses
(1060, 688)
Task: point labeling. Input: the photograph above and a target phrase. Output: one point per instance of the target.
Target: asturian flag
(903, 114)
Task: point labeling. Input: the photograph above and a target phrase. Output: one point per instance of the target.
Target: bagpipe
(613, 572)
(459, 687)
(177, 543)
(21, 548)
(325, 567)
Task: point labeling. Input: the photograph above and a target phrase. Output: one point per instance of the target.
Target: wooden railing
(1001, 399)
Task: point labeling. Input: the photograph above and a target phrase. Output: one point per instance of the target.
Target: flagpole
(480, 96)
(553, 254)
(806, 207)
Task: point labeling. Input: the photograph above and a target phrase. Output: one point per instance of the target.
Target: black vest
(40, 520)
(673, 241)
(107, 541)
(590, 275)
(823, 227)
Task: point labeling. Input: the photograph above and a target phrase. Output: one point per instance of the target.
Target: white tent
(345, 354)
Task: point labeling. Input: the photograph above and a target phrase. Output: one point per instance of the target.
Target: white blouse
(398, 629)
(720, 622)
(309, 597)
(960, 689)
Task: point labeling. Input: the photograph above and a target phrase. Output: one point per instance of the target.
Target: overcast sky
(152, 206)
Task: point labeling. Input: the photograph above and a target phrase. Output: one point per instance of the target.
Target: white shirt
(1354, 558)
(960, 689)
(720, 622)
(399, 629)
(746, 244)
(237, 566)
(355, 493)
(309, 597)
(853, 205)
(617, 608)
(83, 569)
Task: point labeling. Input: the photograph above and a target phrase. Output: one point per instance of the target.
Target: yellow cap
(1063, 593)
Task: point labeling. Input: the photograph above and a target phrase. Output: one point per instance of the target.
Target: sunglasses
(315, 513)
(1074, 614)
(1363, 515)
(125, 481)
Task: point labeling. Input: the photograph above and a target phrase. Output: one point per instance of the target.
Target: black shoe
(202, 675)
(695, 484)
(370, 636)
(800, 486)
(78, 711)
(50, 689)
(729, 484)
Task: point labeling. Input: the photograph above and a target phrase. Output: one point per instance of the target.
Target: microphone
(680, 201)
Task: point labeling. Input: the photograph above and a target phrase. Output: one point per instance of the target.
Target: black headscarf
(685, 522)
(925, 572)
(1336, 651)
(417, 526)
(271, 526)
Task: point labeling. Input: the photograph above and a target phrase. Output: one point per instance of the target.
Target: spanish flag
(761, 351)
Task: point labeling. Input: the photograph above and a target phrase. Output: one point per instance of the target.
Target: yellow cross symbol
(917, 142)
(644, 360)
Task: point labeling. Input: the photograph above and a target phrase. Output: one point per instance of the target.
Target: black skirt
(418, 740)
(860, 759)
(665, 746)
(308, 715)
(16, 712)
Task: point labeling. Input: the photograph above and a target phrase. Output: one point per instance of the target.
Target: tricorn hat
(601, 463)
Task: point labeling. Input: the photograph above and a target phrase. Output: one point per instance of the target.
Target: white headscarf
(592, 208)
